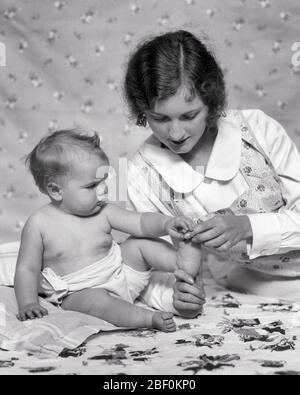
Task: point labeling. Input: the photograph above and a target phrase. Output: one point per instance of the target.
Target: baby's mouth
(102, 202)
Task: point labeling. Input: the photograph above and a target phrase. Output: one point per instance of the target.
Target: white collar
(223, 163)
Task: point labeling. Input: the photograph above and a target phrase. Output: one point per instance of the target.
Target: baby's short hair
(54, 154)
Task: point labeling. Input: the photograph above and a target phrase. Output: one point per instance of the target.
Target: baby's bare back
(72, 243)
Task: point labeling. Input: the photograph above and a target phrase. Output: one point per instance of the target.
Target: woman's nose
(176, 132)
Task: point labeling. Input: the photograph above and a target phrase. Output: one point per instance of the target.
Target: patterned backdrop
(66, 60)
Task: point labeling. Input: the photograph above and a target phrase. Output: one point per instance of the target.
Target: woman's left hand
(222, 231)
(188, 299)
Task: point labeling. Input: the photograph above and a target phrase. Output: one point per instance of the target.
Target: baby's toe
(169, 324)
(171, 328)
(167, 316)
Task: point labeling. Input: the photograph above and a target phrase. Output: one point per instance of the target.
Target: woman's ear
(54, 191)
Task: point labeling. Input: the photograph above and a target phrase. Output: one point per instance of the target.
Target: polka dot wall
(65, 62)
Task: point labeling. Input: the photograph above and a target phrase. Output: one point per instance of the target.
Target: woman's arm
(277, 233)
(28, 271)
(265, 233)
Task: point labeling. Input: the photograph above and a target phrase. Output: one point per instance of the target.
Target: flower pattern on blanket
(249, 335)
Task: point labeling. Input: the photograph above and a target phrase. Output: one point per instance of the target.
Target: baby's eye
(92, 186)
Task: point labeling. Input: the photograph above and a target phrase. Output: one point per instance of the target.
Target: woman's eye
(163, 119)
(189, 117)
(92, 186)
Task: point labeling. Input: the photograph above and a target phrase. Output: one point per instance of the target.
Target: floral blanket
(238, 334)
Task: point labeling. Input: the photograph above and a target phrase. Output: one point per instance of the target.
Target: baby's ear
(54, 191)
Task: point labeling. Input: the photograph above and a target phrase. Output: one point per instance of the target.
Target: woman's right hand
(188, 299)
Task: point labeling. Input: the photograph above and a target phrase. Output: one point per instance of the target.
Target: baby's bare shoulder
(39, 219)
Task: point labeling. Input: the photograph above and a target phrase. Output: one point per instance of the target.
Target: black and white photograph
(149, 190)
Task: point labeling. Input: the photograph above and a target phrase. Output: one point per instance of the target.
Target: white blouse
(222, 182)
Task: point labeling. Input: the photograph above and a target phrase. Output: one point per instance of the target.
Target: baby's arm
(155, 225)
(28, 271)
(147, 225)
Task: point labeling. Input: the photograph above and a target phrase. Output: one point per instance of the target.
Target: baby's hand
(31, 311)
(178, 227)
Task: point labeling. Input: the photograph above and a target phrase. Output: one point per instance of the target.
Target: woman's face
(179, 121)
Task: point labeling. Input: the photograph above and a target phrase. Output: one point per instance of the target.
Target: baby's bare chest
(76, 239)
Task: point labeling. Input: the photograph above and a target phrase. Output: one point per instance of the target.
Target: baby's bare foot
(164, 322)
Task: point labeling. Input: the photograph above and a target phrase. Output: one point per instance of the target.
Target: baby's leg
(189, 259)
(144, 254)
(99, 303)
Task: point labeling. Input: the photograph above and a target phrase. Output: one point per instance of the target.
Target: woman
(236, 171)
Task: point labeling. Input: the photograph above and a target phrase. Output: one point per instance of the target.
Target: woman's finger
(181, 275)
(196, 239)
(187, 306)
(224, 247)
(189, 289)
(204, 227)
(216, 242)
(189, 298)
(188, 224)
(207, 235)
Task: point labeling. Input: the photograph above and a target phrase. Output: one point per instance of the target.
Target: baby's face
(79, 194)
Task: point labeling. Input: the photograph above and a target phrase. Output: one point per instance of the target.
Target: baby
(67, 251)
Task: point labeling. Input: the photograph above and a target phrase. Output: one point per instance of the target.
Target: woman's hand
(222, 231)
(187, 299)
(177, 227)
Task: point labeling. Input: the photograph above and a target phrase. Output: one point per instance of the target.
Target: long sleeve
(276, 233)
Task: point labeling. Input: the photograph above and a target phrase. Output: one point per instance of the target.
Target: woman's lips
(178, 143)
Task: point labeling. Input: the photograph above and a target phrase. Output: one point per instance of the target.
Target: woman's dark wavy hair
(159, 66)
